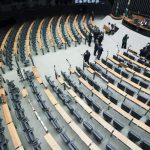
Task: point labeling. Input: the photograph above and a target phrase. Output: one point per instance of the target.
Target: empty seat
(72, 146)
(118, 70)
(120, 60)
(133, 136)
(113, 100)
(125, 54)
(88, 100)
(136, 115)
(142, 98)
(65, 137)
(148, 103)
(104, 61)
(88, 126)
(144, 85)
(117, 125)
(111, 80)
(147, 74)
(141, 61)
(104, 75)
(121, 86)
(96, 107)
(124, 74)
(131, 57)
(109, 65)
(137, 69)
(97, 136)
(135, 80)
(130, 65)
(115, 57)
(147, 65)
(129, 91)
(107, 116)
(78, 116)
(110, 147)
(147, 122)
(105, 93)
(125, 107)
(145, 145)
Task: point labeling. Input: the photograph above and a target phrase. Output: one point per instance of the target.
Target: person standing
(100, 50)
(90, 39)
(100, 38)
(124, 41)
(87, 56)
(96, 47)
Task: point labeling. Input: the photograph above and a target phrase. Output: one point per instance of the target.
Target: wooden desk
(117, 89)
(82, 104)
(72, 93)
(85, 25)
(80, 133)
(50, 96)
(85, 83)
(125, 140)
(106, 28)
(94, 147)
(60, 80)
(6, 113)
(37, 75)
(102, 122)
(62, 112)
(101, 64)
(24, 92)
(91, 70)
(14, 135)
(51, 141)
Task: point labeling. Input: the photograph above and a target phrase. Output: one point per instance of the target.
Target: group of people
(98, 38)
(145, 52)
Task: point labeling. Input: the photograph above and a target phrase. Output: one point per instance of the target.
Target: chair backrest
(117, 125)
(121, 86)
(133, 136)
(137, 69)
(111, 80)
(110, 147)
(148, 122)
(104, 61)
(129, 91)
(124, 74)
(125, 107)
(115, 57)
(136, 115)
(125, 54)
(113, 100)
(147, 74)
(145, 145)
(130, 65)
(117, 70)
(135, 80)
(142, 98)
(105, 93)
(107, 116)
(144, 85)
(109, 65)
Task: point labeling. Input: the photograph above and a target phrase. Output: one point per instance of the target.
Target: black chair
(124, 74)
(69, 106)
(125, 107)
(147, 122)
(89, 101)
(105, 93)
(56, 125)
(65, 137)
(104, 75)
(117, 70)
(111, 80)
(136, 115)
(129, 91)
(131, 57)
(78, 116)
(88, 126)
(148, 103)
(137, 69)
(144, 85)
(72, 146)
(115, 57)
(147, 65)
(113, 100)
(96, 107)
(147, 74)
(97, 136)
(109, 65)
(141, 61)
(104, 61)
(107, 116)
(110, 147)
(126, 54)
(145, 145)
(117, 125)
(135, 80)
(133, 136)
(121, 86)
(142, 99)
(130, 65)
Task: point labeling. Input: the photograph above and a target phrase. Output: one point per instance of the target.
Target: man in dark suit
(100, 50)
(100, 38)
(87, 56)
(96, 47)
(90, 39)
(124, 41)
